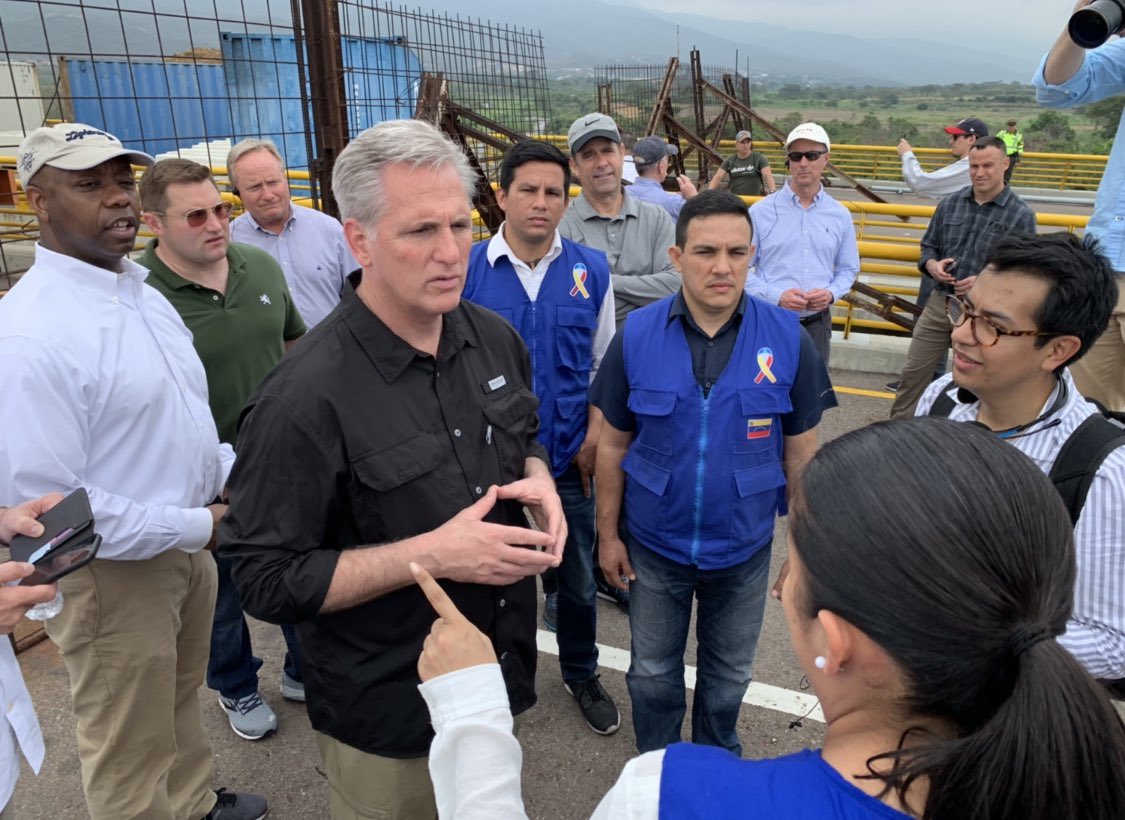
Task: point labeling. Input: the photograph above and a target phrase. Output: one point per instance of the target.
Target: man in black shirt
(403, 428)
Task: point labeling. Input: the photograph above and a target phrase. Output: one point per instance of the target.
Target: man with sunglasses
(103, 390)
(807, 256)
(951, 178)
(1035, 309)
(964, 226)
(235, 301)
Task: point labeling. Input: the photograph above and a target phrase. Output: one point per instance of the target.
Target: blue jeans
(731, 604)
(232, 670)
(578, 608)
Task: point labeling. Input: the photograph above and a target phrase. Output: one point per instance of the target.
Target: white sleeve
(607, 326)
(636, 794)
(475, 760)
(43, 448)
(935, 184)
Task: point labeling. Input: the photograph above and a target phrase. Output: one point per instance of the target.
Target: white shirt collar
(89, 277)
(498, 246)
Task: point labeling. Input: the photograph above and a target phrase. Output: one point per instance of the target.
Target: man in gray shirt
(309, 245)
(635, 235)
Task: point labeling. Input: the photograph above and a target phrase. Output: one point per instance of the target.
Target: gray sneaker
(292, 689)
(237, 806)
(250, 717)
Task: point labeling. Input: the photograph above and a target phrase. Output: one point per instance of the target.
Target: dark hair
(1083, 285)
(710, 203)
(628, 140)
(953, 552)
(155, 182)
(532, 151)
(989, 142)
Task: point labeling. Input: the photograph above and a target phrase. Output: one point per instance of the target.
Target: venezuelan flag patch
(758, 428)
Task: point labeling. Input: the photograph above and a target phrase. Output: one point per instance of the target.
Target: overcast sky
(1019, 27)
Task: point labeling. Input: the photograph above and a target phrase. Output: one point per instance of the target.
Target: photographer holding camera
(1070, 76)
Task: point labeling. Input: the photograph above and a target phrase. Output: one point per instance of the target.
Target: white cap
(808, 131)
(71, 146)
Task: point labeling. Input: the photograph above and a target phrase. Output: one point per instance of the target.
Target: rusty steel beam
(697, 142)
(328, 96)
(884, 305)
(697, 105)
(663, 97)
(605, 98)
(728, 86)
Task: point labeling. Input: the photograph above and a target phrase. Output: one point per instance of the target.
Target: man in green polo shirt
(235, 301)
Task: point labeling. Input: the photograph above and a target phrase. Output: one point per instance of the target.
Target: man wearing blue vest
(558, 295)
(711, 401)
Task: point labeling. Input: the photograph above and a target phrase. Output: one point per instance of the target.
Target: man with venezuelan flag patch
(711, 400)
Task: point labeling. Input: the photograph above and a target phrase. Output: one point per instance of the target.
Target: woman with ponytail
(923, 602)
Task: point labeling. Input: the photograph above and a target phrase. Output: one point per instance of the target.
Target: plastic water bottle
(48, 610)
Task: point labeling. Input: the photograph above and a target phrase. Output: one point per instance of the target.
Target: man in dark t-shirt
(748, 171)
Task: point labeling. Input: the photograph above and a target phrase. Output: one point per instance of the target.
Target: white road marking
(764, 695)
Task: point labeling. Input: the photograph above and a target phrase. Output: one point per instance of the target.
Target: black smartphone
(67, 544)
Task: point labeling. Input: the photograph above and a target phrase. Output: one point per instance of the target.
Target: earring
(820, 662)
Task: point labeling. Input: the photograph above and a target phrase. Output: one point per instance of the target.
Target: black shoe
(596, 705)
(237, 806)
(611, 593)
(893, 386)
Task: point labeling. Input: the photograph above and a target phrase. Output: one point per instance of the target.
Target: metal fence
(192, 77)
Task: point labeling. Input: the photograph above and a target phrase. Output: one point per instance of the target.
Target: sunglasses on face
(198, 217)
(811, 156)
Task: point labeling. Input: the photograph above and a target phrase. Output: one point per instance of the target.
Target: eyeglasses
(811, 156)
(986, 332)
(198, 217)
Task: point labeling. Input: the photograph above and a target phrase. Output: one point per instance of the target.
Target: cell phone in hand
(68, 542)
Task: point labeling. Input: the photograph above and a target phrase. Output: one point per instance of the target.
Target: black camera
(1092, 25)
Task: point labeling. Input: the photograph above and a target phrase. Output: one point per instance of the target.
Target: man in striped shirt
(1036, 307)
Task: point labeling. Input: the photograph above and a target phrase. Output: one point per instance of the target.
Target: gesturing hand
(453, 643)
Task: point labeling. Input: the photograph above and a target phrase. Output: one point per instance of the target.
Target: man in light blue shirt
(1069, 76)
(807, 257)
(309, 245)
(650, 156)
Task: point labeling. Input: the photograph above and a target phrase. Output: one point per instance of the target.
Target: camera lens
(1091, 26)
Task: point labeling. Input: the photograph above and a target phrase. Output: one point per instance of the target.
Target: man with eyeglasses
(1035, 309)
(236, 303)
(951, 178)
(807, 256)
(964, 226)
(103, 390)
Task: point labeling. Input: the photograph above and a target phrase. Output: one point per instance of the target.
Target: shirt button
(457, 433)
(479, 491)
(215, 297)
(503, 602)
(116, 300)
(710, 344)
(503, 655)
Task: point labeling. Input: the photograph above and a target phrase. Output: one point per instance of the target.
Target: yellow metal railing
(888, 246)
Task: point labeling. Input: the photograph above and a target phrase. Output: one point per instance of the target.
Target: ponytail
(964, 578)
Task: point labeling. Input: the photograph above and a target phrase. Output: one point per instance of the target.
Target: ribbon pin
(765, 361)
(579, 274)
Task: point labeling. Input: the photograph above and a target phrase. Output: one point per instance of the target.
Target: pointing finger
(441, 603)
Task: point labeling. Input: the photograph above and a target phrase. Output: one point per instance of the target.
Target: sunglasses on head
(198, 217)
(811, 156)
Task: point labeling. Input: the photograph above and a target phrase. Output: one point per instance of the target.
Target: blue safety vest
(558, 329)
(704, 476)
(703, 782)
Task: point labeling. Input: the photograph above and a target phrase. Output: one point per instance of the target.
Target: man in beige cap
(748, 171)
(105, 391)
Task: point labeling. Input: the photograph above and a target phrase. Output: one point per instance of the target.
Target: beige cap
(71, 146)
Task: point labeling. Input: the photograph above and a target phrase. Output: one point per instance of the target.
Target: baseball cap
(590, 126)
(743, 135)
(71, 146)
(651, 150)
(1011, 122)
(970, 126)
(808, 131)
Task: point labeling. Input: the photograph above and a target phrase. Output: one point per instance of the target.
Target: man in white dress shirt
(103, 390)
(1037, 306)
(952, 178)
(22, 727)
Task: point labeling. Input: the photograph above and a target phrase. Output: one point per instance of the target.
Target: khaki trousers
(928, 348)
(365, 786)
(1100, 374)
(135, 637)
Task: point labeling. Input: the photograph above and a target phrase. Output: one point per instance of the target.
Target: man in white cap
(634, 235)
(748, 171)
(104, 390)
(807, 256)
(650, 155)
